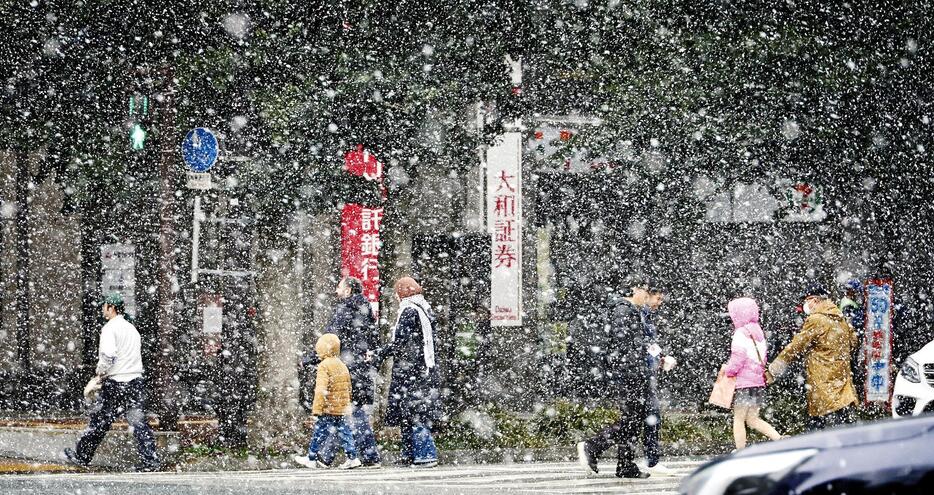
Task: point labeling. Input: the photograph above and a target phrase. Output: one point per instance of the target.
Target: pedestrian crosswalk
(518, 478)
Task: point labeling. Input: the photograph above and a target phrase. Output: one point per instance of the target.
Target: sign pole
(195, 238)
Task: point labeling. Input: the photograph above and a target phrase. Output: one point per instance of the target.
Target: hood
(827, 307)
(328, 346)
(743, 311)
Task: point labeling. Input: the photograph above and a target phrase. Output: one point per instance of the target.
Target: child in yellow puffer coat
(331, 404)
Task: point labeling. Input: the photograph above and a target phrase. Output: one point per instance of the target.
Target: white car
(914, 384)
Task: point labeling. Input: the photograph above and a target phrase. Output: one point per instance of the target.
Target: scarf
(421, 306)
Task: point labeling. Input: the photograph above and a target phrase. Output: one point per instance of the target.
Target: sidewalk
(41, 441)
(36, 444)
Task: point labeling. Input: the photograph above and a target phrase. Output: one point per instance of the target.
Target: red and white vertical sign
(880, 299)
(504, 220)
(360, 228)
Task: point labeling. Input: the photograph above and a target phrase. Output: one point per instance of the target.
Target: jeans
(115, 399)
(325, 427)
(836, 418)
(364, 439)
(417, 442)
(624, 433)
(652, 426)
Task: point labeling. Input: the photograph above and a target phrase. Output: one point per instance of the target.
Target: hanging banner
(878, 341)
(211, 307)
(118, 265)
(504, 214)
(360, 226)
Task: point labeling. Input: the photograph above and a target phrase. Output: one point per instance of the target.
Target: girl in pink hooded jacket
(747, 363)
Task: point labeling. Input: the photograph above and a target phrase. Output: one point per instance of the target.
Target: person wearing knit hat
(414, 390)
(407, 287)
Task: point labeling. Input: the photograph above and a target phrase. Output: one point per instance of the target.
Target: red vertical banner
(360, 228)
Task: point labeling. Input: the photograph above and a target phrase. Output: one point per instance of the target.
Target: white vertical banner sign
(504, 221)
(878, 340)
(118, 263)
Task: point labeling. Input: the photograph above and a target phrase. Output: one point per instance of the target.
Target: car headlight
(755, 474)
(910, 371)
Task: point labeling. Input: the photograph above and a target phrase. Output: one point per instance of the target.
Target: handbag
(723, 390)
(765, 367)
(92, 388)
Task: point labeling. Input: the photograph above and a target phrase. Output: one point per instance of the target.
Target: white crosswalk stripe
(520, 478)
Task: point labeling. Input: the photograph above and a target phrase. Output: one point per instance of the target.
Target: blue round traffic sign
(199, 149)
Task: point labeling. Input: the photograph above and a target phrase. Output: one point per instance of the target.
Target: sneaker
(72, 457)
(351, 464)
(585, 458)
(304, 460)
(425, 464)
(371, 465)
(629, 469)
(659, 470)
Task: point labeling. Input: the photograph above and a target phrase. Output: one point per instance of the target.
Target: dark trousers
(116, 399)
(624, 434)
(651, 430)
(326, 427)
(363, 438)
(417, 443)
(839, 417)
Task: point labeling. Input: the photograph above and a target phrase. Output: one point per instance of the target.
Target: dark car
(886, 457)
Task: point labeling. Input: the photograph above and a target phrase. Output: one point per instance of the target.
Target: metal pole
(195, 238)
(165, 365)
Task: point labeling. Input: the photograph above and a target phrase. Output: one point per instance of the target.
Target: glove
(776, 369)
(769, 377)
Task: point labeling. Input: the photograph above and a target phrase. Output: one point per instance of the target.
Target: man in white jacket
(120, 370)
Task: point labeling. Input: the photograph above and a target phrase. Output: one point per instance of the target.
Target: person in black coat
(414, 391)
(355, 325)
(627, 377)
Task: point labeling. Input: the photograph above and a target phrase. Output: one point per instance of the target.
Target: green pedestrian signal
(139, 108)
(137, 136)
